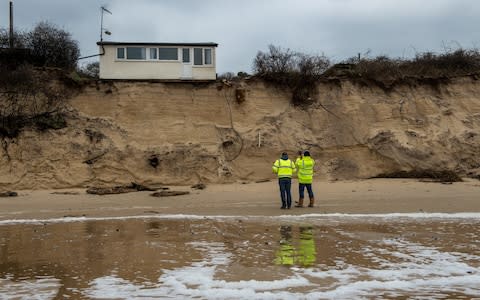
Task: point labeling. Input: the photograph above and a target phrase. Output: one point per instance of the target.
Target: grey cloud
(337, 28)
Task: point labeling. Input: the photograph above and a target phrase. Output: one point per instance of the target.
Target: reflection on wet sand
(234, 258)
(304, 254)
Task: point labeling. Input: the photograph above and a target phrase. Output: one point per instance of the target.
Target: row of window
(201, 56)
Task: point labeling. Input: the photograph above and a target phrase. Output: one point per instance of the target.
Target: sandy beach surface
(369, 239)
(255, 199)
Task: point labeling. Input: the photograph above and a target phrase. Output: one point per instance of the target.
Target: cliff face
(181, 133)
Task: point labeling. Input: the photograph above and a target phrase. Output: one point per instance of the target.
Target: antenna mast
(103, 9)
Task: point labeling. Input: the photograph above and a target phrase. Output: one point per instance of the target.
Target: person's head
(300, 152)
(306, 153)
(284, 155)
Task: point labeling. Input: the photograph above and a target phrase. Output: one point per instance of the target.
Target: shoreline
(371, 196)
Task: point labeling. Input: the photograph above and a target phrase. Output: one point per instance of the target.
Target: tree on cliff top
(47, 44)
(53, 46)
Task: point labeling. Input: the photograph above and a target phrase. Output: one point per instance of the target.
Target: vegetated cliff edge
(183, 133)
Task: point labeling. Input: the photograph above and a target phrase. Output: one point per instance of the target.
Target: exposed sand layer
(253, 199)
(173, 133)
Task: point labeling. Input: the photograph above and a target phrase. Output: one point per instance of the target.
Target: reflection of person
(288, 255)
(285, 255)
(305, 165)
(307, 254)
(284, 168)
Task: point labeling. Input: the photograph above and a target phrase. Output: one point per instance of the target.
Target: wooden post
(11, 25)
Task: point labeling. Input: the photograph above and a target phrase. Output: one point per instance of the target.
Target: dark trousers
(301, 189)
(285, 186)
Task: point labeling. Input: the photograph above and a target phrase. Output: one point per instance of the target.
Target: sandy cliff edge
(183, 133)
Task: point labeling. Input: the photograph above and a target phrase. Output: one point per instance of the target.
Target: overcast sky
(337, 28)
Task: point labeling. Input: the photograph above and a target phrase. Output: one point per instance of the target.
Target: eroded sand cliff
(182, 133)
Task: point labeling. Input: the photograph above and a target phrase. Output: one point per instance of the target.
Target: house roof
(208, 44)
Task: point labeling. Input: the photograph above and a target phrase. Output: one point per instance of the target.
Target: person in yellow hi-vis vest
(284, 168)
(305, 165)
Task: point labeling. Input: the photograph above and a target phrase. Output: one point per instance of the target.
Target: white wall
(112, 68)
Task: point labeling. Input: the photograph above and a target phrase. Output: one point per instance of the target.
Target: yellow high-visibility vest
(283, 168)
(305, 169)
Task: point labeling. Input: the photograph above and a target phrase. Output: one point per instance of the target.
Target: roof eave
(109, 43)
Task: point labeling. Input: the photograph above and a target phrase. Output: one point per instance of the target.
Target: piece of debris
(169, 193)
(74, 216)
(262, 180)
(108, 191)
(65, 193)
(140, 187)
(132, 187)
(8, 194)
(199, 186)
(425, 175)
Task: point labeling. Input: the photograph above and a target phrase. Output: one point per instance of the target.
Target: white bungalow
(168, 61)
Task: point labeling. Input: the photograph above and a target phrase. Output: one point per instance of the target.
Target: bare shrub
(226, 76)
(91, 70)
(242, 74)
(29, 99)
(386, 70)
(277, 65)
(455, 62)
(296, 71)
(19, 38)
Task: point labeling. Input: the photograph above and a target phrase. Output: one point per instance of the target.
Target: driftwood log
(132, 187)
(169, 193)
(8, 194)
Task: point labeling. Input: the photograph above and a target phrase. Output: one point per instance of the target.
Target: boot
(312, 201)
(299, 203)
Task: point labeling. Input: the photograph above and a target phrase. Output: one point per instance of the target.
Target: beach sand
(252, 199)
(364, 239)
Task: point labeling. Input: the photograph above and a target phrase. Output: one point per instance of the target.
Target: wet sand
(252, 199)
(364, 239)
(241, 258)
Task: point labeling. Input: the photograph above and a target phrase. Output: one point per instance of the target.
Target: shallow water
(328, 257)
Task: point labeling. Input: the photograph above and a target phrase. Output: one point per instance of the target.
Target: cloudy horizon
(338, 29)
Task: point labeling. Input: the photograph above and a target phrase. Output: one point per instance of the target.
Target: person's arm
(275, 167)
(297, 162)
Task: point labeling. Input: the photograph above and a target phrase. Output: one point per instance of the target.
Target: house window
(168, 53)
(121, 53)
(202, 56)
(186, 55)
(153, 53)
(207, 56)
(136, 53)
(197, 56)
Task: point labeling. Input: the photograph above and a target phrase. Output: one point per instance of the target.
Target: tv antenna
(103, 30)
